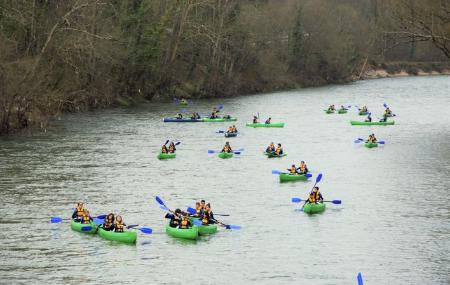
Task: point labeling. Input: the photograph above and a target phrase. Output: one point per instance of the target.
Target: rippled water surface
(393, 225)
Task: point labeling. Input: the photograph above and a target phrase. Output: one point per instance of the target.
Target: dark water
(393, 225)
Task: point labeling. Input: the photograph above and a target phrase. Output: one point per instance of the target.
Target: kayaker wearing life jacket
(230, 129)
(108, 224)
(234, 129)
(195, 116)
(198, 210)
(172, 148)
(255, 120)
(364, 109)
(315, 196)
(279, 149)
(119, 225)
(78, 213)
(343, 108)
(270, 148)
(86, 218)
(293, 169)
(388, 112)
(179, 116)
(164, 149)
(268, 120)
(369, 118)
(175, 218)
(227, 148)
(331, 108)
(302, 169)
(372, 139)
(203, 204)
(185, 223)
(208, 216)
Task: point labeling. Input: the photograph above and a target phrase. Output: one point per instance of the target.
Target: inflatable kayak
(286, 177)
(206, 229)
(187, 120)
(225, 154)
(230, 135)
(128, 236)
(191, 233)
(363, 113)
(184, 103)
(313, 208)
(166, 155)
(370, 144)
(272, 154)
(359, 123)
(262, 125)
(342, 111)
(78, 227)
(329, 111)
(218, 120)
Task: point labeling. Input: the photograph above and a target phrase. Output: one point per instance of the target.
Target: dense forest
(72, 55)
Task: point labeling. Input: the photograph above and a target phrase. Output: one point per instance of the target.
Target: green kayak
(286, 177)
(206, 229)
(78, 227)
(225, 154)
(166, 155)
(272, 154)
(218, 120)
(329, 111)
(370, 144)
(191, 233)
(262, 125)
(363, 113)
(342, 111)
(125, 237)
(183, 103)
(359, 123)
(312, 208)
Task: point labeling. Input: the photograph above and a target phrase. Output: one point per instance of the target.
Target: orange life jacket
(303, 168)
(293, 170)
(80, 212)
(85, 219)
(278, 151)
(184, 223)
(119, 227)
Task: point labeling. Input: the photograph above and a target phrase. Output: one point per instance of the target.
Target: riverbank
(403, 69)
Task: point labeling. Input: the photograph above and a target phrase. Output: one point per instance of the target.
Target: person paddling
(230, 130)
(255, 120)
(86, 218)
(270, 148)
(234, 129)
(175, 218)
(331, 108)
(388, 112)
(179, 116)
(314, 197)
(119, 225)
(369, 118)
(164, 149)
(227, 148)
(268, 121)
(293, 169)
(372, 139)
(108, 224)
(79, 211)
(279, 150)
(208, 216)
(185, 222)
(302, 169)
(172, 148)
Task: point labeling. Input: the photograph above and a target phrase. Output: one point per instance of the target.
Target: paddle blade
(166, 142)
(360, 279)
(191, 210)
(146, 231)
(98, 221)
(197, 222)
(308, 175)
(385, 105)
(381, 142)
(211, 151)
(232, 227)
(337, 202)
(319, 177)
(86, 228)
(220, 107)
(101, 217)
(177, 143)
(236, 152)
(274, 171)
(55, 220)
(357, 141)
(160, 201)
(296, 200)
(220, 132)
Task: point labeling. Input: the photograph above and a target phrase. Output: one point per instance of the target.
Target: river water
(393, 224)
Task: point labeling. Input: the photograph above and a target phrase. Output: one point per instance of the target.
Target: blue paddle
(142, 229)
(55, 220)
(220, 132)
(298, 200)
(217, 151)
(161, 202)
(192, 211)
(360, 279)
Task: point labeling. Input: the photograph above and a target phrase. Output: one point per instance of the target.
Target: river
(393, 225)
